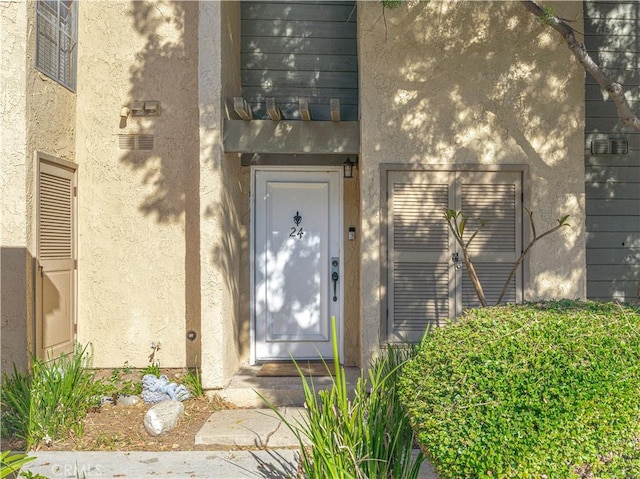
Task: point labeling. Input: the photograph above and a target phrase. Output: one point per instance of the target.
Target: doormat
(288, 369)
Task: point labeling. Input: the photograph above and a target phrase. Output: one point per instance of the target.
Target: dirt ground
(121, 428)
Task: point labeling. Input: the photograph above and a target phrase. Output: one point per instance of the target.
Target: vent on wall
(135, 142)
(610, 146)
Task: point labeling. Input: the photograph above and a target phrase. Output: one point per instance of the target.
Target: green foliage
(32, 475)
(193, 382)
(391, 4)
(538, 390)
(548, 17)
(16, 403)
(153, 368)
(10, 463)
(120, 383)
(368, 436)
(51, 401)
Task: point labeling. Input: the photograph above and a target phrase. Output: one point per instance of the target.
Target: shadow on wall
(481, 84)
(612, 180)
(13, 308)
(166, 70)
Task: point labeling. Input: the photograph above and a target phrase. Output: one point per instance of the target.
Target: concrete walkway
(257, 445)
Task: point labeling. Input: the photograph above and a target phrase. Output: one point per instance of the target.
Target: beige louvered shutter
(55, 318)
(494, 197)
(418, 272)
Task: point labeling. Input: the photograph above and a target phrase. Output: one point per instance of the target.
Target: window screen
(56, 40)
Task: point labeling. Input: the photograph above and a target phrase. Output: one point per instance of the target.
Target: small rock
(163, 417)
(128, 400)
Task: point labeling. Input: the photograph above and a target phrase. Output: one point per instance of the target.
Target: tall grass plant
(361, 435)
(51, 400)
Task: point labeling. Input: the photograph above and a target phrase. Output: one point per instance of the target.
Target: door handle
(335, 276)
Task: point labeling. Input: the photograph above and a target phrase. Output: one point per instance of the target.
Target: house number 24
(295, 231)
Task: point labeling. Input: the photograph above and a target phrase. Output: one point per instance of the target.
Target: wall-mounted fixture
(348, 167)
(145, 108)
(610, 146)
(124, 114)
(352, 233)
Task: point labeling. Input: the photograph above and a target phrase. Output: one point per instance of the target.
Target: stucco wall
(13, 170)
(474, 83)
(38, 115)
(221, 197)
(138, 210)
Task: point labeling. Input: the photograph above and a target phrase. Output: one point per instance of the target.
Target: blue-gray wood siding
(304, 49)
(612, 37)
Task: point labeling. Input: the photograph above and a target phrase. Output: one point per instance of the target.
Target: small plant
(457, 223)
(12, 462)
(151, 369)
(118, 383)
(368, 436)
(545, 389)
(51, 401)
(32, 475)
(192, 381)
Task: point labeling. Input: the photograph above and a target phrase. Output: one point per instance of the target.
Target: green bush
(549, 389)
(50, 401)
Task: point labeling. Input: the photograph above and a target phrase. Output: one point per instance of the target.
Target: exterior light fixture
(348, 166)
(145, 108)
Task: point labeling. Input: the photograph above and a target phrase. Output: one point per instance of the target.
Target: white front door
(296, 253)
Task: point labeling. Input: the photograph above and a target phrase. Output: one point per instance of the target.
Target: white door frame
(252, 239)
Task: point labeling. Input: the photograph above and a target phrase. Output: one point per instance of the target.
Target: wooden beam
(272, 110)
(291, 137)
(304, 109)
(335, 109)
(242, 108)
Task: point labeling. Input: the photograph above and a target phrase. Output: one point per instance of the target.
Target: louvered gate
(55, 288)
(424, 284)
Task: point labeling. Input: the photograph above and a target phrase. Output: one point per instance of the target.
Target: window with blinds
(56, 36)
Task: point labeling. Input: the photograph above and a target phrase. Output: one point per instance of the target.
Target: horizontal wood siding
(300, 49)
(612, 36)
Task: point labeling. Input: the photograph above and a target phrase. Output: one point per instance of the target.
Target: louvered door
(424, 286)
(494, 198)
(55, 318)
(419, 277)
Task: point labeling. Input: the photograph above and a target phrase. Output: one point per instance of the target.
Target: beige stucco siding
(478, 83)
(38, 115)
(13, 170)
(223, 198)
(134, 206)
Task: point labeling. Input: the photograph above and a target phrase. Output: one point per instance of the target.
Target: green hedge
(539, 390)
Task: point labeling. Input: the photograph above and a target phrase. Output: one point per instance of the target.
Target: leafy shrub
(539, 390)
(51, 401)
(368, 436)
